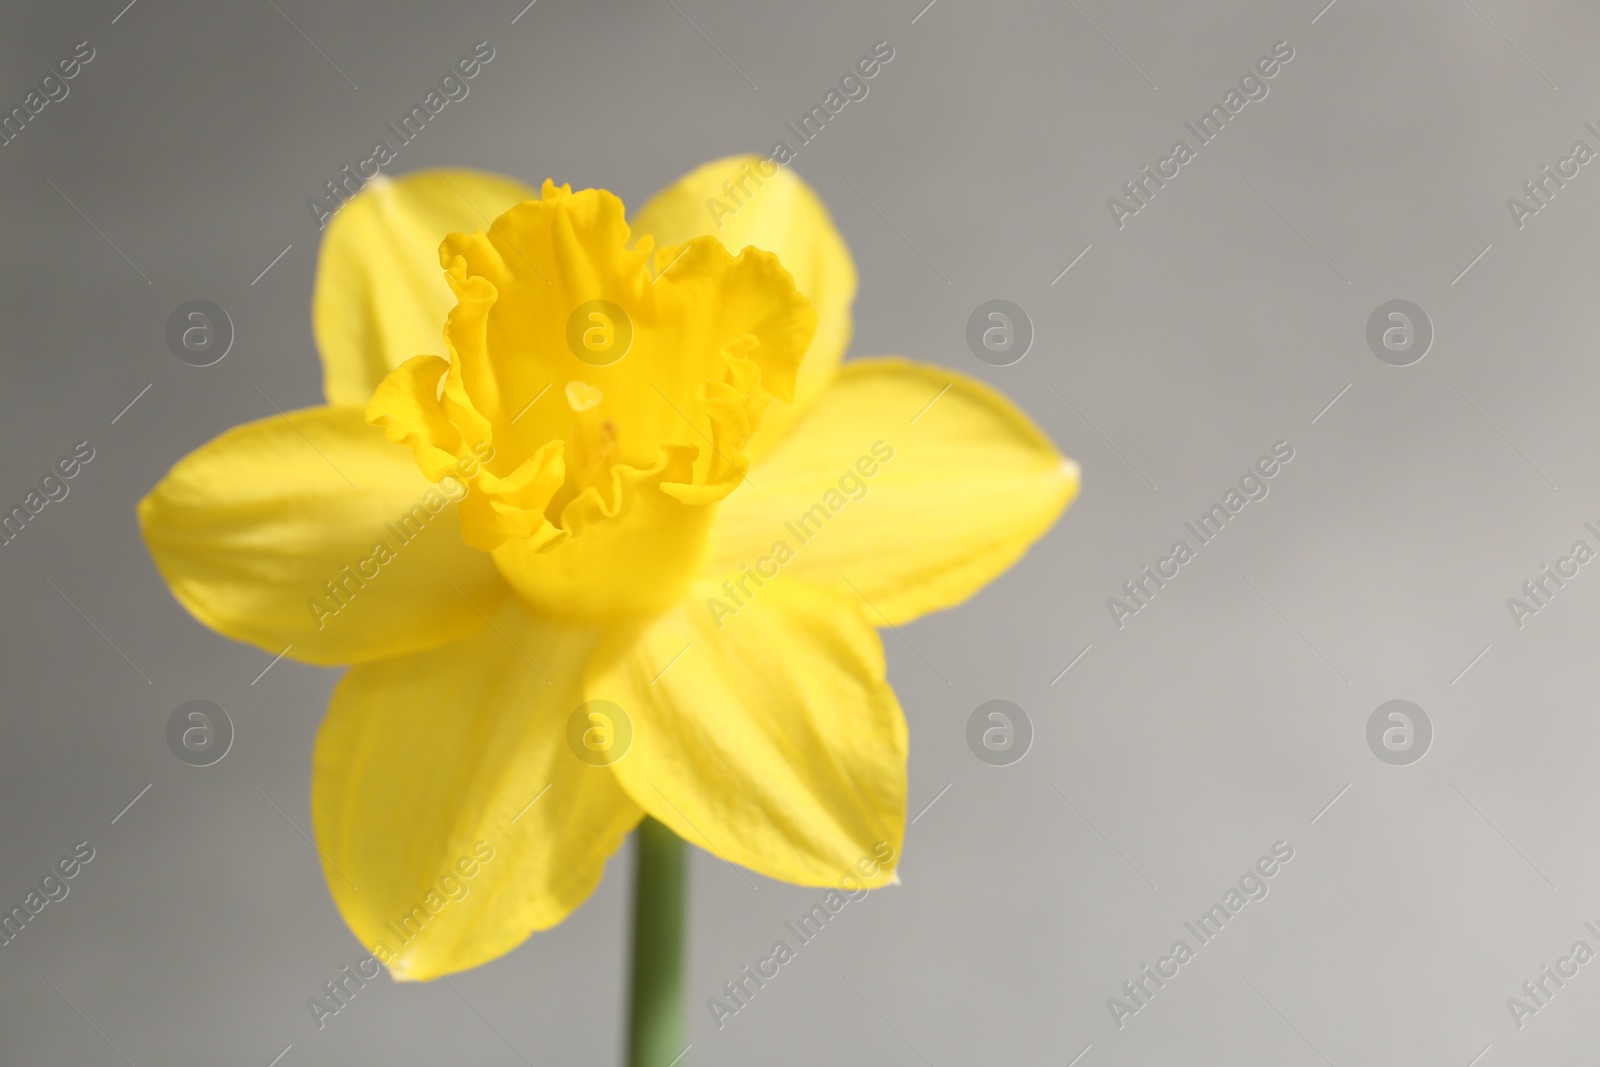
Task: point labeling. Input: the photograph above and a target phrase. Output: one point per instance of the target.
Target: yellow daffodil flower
(635, 473)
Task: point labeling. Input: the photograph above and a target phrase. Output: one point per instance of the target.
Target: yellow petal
(251, 530)
(452, 816)
(771, 740)
(380, 298)
(913, 484)
(780, 213)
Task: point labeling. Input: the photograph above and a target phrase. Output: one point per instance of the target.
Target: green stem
(655, 1009)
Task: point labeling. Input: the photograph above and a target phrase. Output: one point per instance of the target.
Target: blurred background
(1230, 313)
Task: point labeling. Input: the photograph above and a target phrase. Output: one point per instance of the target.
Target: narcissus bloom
(590, 462)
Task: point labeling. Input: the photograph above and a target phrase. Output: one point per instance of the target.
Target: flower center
(591, 447)
(583, 523)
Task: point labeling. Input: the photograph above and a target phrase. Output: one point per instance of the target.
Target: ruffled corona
(604, 466)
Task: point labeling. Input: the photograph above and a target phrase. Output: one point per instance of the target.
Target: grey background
(1206, 330)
